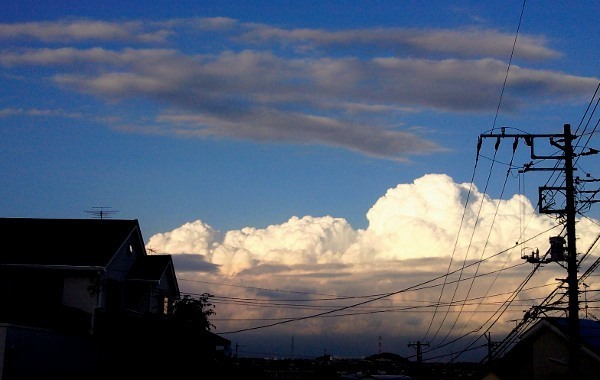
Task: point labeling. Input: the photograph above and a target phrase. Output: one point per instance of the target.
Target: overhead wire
(586, 203)
(479, 144)
(465, 208)
(556, 305)
(421, 285)
(500, 311)
(503, 307)
(487, 241)
(558, 301)
(489, 288)
(554, 182)
(267, 303)
(580, 123)
(438, 305)
(477, 218)
(531, 316)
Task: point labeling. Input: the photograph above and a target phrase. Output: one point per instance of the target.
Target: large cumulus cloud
(388, 275)
(411, 221)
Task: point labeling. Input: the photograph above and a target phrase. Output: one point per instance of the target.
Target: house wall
(590, 367)
(30, 296)
(150, 298)
(48, 314)
(146, 299)
(163, 292)
(33, 353)
(112, 296)
(80, 292)
(550, 357)
(2, 350)
(119, 266)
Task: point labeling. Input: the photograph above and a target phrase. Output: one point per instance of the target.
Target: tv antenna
(101, 212)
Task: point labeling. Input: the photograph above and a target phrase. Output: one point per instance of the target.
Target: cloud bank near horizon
(410, 243)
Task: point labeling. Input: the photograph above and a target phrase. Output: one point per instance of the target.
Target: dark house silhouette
(82, 298)
(543, 352)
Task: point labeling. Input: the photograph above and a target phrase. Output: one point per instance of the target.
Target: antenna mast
(101, 212)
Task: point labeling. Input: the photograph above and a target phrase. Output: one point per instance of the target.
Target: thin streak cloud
(469, 42)
(82, 30)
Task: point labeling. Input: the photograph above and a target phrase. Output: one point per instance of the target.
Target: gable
(154, 269)
(589, 331)
(556, 329)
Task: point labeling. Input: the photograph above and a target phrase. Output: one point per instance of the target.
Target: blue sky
(234, 130)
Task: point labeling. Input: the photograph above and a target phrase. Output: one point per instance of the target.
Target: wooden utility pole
(564, 142)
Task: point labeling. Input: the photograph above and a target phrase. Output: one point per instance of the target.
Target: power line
(493, 126)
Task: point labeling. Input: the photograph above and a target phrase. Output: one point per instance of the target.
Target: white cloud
(410, 221)
(410, 240)
(191, 238)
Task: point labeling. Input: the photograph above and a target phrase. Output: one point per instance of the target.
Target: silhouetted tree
(194, 312)
(190, 340)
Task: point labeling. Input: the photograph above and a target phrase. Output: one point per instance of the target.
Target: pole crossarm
(530, 139)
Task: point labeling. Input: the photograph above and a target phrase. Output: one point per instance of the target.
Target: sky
(314, 165)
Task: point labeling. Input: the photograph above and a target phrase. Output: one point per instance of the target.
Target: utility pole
(564, 142)
(419, 346)
(490, 346)
(572, 281)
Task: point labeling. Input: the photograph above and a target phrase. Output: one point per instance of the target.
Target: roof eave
(56, 267)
